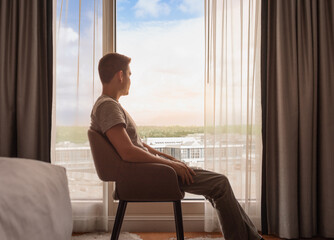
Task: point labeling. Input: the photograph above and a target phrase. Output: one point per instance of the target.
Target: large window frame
(145, 216)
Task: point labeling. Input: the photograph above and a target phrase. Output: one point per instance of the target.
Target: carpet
(106, 236)
(127, 236)
(199, 238)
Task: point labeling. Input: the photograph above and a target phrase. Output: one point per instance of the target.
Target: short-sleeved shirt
(107, 113)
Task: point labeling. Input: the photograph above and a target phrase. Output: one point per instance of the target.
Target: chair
(135, 182)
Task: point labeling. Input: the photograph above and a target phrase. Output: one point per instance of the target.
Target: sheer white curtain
(78, 48)
(233, 144)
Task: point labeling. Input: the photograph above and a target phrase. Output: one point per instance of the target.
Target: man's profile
(109, 118)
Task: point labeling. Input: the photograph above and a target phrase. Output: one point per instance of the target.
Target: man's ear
(120, 75)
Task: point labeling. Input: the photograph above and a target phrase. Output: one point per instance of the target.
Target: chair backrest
(107, 161)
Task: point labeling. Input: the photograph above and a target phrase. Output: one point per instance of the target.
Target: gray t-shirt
(107, 113)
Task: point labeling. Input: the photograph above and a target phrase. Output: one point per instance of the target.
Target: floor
(168, 235)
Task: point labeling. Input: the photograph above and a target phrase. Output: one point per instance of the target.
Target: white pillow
(34, 201)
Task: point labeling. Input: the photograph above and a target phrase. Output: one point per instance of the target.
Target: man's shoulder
(106, 113)
(105, 99)
(105, 102)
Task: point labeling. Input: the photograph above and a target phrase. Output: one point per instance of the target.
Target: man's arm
(156, 152)
(119, 138)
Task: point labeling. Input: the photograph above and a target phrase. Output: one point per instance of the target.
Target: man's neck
(113, 95)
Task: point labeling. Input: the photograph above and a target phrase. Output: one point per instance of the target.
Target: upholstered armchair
(135, 182)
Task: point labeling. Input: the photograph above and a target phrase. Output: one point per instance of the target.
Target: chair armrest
(148, 182)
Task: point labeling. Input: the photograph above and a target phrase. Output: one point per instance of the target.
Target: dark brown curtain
(25, 78)
(298, 118)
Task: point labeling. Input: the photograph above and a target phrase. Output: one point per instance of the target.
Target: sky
(164, 38)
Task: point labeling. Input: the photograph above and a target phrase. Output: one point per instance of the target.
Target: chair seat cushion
(148, 182)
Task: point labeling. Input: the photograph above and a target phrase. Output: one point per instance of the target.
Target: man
(109, 118)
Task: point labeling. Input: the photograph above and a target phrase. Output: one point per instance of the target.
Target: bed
(34, 201)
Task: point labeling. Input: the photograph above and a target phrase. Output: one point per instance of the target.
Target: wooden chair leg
(119, 219)
(178, 220)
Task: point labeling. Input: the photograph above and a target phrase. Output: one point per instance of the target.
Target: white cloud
(67, 35)
(151, 8)
(70, 110)
(192, 6)
(167, 72)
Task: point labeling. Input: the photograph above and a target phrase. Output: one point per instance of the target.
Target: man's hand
(183, 171)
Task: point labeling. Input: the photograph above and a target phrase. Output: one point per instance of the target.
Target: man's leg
(216, 188)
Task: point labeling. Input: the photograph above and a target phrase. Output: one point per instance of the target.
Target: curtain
(233, 143)
(298, 94)
(78, 49)
(26, 58)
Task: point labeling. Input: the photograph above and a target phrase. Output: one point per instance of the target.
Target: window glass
(78, 48)
(165, 40)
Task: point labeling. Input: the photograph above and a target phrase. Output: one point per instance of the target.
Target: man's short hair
(110, 64)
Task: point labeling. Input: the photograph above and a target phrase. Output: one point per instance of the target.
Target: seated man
(109, 118)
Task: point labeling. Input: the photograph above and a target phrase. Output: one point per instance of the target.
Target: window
(78, 48)
(165, 40)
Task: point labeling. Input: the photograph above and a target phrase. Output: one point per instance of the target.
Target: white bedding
(34, 201)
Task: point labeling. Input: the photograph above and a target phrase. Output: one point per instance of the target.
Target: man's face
(126, 81)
